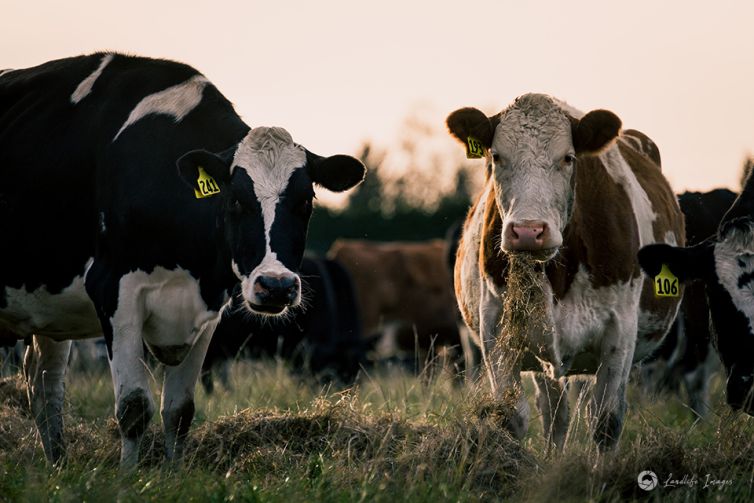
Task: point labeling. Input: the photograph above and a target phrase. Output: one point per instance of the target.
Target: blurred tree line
(384, 209)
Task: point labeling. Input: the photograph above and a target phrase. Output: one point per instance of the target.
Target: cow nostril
(280, 290)
(290, 287)
(263, 283)
(261, 288)
(292, 293)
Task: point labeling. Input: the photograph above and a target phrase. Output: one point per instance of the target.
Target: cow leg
(503, 365)
(609, 395)
(472, 354)
(45, 364)
(177, 407)
(121, 315)
(134, 405)
(697, 382)
(223, 372)
(208, 380)
(221, 369)
(552, 401)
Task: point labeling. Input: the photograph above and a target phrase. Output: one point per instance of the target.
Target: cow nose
(526, 236)
(276, 290)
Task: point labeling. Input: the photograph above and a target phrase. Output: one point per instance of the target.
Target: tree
(412, 192)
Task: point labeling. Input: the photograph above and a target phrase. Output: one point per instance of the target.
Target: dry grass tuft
(17, 430)
(13, 393)
(334, 434)
(526, 313)
(475, 453)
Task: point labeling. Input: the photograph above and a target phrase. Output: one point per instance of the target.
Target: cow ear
(470, 122)
(594, 131)
(191, 164)
(739, 215)
(336, 173)
(685, 263)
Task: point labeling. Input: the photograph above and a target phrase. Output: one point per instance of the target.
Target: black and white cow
(323, 337)
(686, 357)
(725, 264)
(133, 200)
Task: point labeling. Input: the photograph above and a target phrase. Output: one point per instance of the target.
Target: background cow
(322, 337)
(685, 357)
(725, 264)
(138, 201)
(547, 277)
(89, 356)
(404, 292)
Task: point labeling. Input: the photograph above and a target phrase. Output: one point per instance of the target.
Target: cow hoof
(58, 456)
(134, 412)
(607, 432)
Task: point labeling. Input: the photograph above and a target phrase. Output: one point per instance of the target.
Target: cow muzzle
(533, 236)
(272, 294)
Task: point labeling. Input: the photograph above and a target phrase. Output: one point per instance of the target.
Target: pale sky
(336, 73)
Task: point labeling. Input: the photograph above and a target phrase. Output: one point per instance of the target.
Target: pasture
(392, 437)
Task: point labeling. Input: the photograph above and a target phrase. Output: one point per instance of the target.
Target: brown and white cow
(576, 197)
(404, 292)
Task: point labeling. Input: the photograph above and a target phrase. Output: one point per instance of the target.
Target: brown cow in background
(405, 294)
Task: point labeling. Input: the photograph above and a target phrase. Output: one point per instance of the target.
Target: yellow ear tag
(666, 284)
(474, 148)
(207, 185)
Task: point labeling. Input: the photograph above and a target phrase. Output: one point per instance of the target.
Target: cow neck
(668, 218)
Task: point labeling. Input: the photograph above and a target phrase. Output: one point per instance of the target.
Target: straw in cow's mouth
(525, 309)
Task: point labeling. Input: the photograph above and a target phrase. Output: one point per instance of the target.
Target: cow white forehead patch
(535, 124)
(176, 100)
(85, 87)
(534, 109)
(269, 157)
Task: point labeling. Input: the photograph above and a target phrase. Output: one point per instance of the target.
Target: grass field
(392, 437)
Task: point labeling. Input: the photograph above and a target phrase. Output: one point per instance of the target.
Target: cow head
(531, 149)
(726, 266)
(266, 188)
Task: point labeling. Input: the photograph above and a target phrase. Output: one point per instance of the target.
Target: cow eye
(495, 156)
(569, 159)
